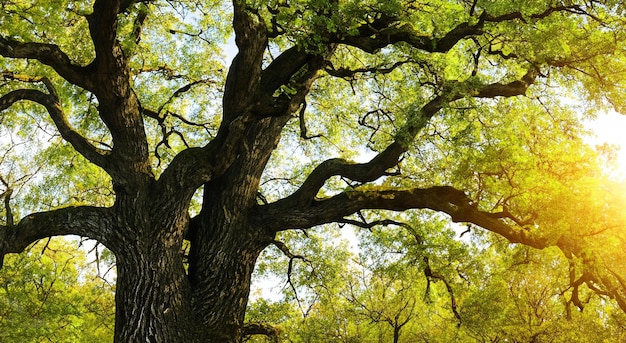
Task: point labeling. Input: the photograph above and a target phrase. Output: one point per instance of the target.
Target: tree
(452, 105)
(50, 294)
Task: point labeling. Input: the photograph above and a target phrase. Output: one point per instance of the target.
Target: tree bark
(225, 245)
(153, 297)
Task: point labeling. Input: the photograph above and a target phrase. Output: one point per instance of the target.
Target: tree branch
(93, 222)
(545, 13)
(375, 168)
(50, 55)
(52, 104)
(244, 72)
(7, 201)
(346, 73)
(103, 28)
(265, 329)
(386, 31)
(284, 215)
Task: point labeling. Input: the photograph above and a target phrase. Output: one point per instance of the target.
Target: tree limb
(103, 28)
(283, 215)
(244, 72)
(50, 55)
(7, 201)
(93, 222)
(265, 329)
(376, 167)
(52, 104)
(386, 31)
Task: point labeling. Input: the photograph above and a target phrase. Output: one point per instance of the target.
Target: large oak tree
(451, 106)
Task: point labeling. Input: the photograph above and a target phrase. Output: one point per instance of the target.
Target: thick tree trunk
(225, 246)
(221, 279)
(223, 253)
(156, 300)
(152, 297)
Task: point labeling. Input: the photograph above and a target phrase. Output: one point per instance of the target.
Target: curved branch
(52, 104)
(282, 215)
(387, 31)
(194, 166)
(576, 9)
(265, 329)
(86, 221)
(281, 70)
(48, 54)
(388, 158)
(346, 73)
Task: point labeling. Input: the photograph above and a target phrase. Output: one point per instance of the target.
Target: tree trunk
(152, 297)
(156, 300)
(152, 294)
(225, 246)
(222, 272)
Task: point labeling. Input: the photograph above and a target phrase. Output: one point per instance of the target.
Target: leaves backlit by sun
(610, 130)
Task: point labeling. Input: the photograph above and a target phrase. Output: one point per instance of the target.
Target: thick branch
(387, 31)
(351, 73)
(261, 329)
(280, 71)
(375, 168)
(7, 201)
(103, 28)
(93, 222)
(118, 105)
(282, 215)
(244, 73)
(52, 104)
(193, 167)
(50, 55)
(520, 16)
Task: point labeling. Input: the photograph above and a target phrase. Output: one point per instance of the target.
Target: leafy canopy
(356, 109)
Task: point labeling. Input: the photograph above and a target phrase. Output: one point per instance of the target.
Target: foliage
(472, 289)
(50, 293)
(200, 140)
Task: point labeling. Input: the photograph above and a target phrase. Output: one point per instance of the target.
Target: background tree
(50, 294)
(330, 112)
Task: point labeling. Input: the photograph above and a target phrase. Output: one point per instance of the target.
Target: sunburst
(611, 128)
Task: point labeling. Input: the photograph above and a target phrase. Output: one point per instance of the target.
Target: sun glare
(611, 128)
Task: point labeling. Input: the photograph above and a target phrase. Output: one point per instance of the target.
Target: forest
(311, 171)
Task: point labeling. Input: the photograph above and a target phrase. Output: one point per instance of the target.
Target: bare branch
(430, 275)
(285, 250)
(303, 129)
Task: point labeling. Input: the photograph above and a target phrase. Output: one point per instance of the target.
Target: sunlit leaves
(43, 22)
(50, 293)
(521, 160)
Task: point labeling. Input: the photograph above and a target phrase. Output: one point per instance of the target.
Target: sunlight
(611, 128)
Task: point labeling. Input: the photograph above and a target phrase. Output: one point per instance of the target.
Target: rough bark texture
(156, 300)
